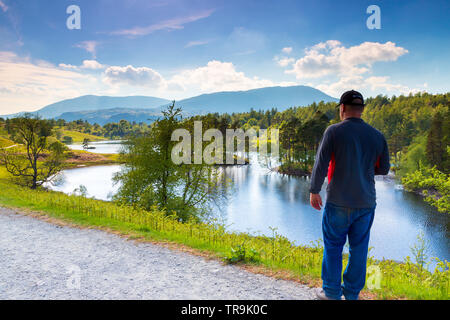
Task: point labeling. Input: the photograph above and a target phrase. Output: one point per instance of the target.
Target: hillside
(103, 117)
(102, 109)
(78, 137)
(265, 98)
(95, 103)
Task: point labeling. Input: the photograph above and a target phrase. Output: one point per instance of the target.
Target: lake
(110, 146)
(262, 199)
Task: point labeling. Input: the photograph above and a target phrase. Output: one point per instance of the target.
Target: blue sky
(177, 49)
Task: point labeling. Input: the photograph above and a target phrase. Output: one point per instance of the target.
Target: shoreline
(81, 158)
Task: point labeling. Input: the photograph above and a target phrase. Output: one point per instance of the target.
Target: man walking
(352, 153)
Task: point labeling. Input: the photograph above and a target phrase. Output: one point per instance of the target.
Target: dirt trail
(39, 260)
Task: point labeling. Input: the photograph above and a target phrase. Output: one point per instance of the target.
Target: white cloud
(89, 46)
(3, 6)
(87, 64)
(67, 66)
(331, 57)
(337, 68)
(219, 76)
(377, 83)
(284, 62)
(171, 24)
(215, 76)
(92, 64)
(29, 85)
(142, 76)
(287, 50)
(372, 85)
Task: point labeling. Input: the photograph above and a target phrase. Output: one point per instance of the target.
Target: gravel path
(39, 260)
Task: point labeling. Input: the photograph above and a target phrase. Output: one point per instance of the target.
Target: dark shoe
(320, 295)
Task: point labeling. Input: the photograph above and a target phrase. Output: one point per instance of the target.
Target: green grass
(276, 253)
(4, 142)
(78, 137)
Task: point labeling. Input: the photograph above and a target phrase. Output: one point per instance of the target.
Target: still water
(262, 199)
(110, 146)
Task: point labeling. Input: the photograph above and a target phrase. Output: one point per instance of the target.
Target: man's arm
(320, 168)
(382, 166)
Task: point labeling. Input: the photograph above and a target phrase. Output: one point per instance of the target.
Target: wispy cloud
(27, 84)
(89, 46)
(171, 24)
(3, 6)
(287, 50)
(195, 43)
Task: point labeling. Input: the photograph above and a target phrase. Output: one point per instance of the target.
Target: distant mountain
(93, 108)
(95, 103)
(265, 98)
(113, 115)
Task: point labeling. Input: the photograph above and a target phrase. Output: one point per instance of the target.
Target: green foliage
(241, 253)
(43, 158)
(433, 184)
(4, 143)
(419, 250)
(416, 127)
(414, 158)
(67, 140)
(150, 178)
(438, 141)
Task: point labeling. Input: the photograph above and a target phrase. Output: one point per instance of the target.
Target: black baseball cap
(349, 98)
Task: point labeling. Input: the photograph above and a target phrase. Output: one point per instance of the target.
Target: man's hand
(316, 201)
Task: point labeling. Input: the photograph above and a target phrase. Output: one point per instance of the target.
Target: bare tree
(41, 160)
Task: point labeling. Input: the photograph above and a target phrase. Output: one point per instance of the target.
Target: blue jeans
(337, 224)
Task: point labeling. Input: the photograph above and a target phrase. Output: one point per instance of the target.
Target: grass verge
(275, 255)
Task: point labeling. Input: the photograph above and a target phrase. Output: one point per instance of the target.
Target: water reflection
(110, 146)
(266, 199)
(262, 199)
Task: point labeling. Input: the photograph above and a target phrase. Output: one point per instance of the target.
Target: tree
(86, 142)
(67, 140)
(436, 148)
(40, 160)
(150, 178)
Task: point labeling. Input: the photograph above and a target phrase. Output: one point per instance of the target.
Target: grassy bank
(5, 142)
(78, 137)
(293, 169)
(268, 254)
(77, 158)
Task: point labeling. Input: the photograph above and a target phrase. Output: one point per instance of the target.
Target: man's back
(351, 152)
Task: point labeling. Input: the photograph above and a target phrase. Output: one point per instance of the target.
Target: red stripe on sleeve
(377, 164)
(331, 167)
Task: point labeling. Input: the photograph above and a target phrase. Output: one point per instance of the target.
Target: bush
(431, 183)
(242, 254)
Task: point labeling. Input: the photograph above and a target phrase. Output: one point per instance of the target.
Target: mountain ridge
(220, 102)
